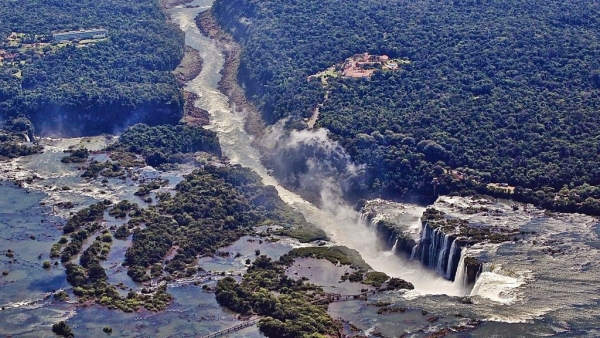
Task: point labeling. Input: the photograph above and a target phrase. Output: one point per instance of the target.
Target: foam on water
(339, 221)
(528, 281)
(497, 287)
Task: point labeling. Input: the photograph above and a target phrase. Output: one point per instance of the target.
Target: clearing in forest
(361, 65)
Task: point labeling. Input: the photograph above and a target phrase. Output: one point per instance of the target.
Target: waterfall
(364, 218)
(433, 249)
(443, 257)
(395, 245)
(485, 267)
(436, 250)
(460, 279)
(392, 237)
(491, 283)
(451, 267)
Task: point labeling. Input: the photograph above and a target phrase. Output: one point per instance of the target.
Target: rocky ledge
(440, 237)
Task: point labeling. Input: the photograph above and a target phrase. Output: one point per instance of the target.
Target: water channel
(552, 296)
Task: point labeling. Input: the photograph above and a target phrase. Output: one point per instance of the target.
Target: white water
(497, 287)
(393, 250)
(450, 260)
(460, 280)
(339, 221)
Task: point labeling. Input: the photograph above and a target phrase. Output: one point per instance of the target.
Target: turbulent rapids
(522, 270)
(408, 237)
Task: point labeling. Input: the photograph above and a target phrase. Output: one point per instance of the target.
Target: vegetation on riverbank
(120, 80)
(291, 306)
(228, 83)
(13, 145)
(335, 254)
(483, 100)
(287, 304)
(14, 134)
(166, 143)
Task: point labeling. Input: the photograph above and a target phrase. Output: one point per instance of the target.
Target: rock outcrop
(443, 239)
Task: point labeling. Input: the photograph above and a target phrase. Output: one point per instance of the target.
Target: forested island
(211, 208)
(88, 87)
(421, 99)
(496, 97)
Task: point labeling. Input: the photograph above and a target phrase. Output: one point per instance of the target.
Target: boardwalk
(331, 298)
(238, 327)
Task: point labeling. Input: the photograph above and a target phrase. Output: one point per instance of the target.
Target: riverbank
(192, 114)
(229, 83)
(189, 67)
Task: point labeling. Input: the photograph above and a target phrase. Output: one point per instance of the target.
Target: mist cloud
(309, 162)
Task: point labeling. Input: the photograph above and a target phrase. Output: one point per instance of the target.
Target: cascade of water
(414, 251)
(441, 259)
(491, 283)
(453, 249)
(432, 249)
(485, 267)
(460, 279)
(436, 250)
(423, 243)
(389, 243)
(415, 248)
(395, 244)
(364, 218)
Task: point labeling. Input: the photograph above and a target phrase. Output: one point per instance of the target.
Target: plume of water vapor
(311, 163)
(320, 167)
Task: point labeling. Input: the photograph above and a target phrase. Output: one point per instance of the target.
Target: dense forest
(76, 88)
(499, 91)
(212, 208)
(166, 143)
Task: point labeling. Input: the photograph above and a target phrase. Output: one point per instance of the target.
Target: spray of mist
(299, 159)
(321, 170)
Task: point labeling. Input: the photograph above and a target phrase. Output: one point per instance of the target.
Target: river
(533, 294)
(532, 311)
(341, 222)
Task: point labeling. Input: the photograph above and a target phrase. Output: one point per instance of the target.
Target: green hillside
(496, 96)
(88, 87)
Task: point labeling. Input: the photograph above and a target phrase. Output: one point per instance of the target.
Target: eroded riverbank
(510, 293)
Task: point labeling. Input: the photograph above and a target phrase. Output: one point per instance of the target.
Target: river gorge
(481, 267)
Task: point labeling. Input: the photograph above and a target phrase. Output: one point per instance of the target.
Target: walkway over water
(238, 327)
(330, 298)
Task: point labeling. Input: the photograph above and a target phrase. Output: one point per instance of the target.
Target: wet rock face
(446, 229)
(472, 269)
(405, 246)
(390, 237)
(396, 224)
